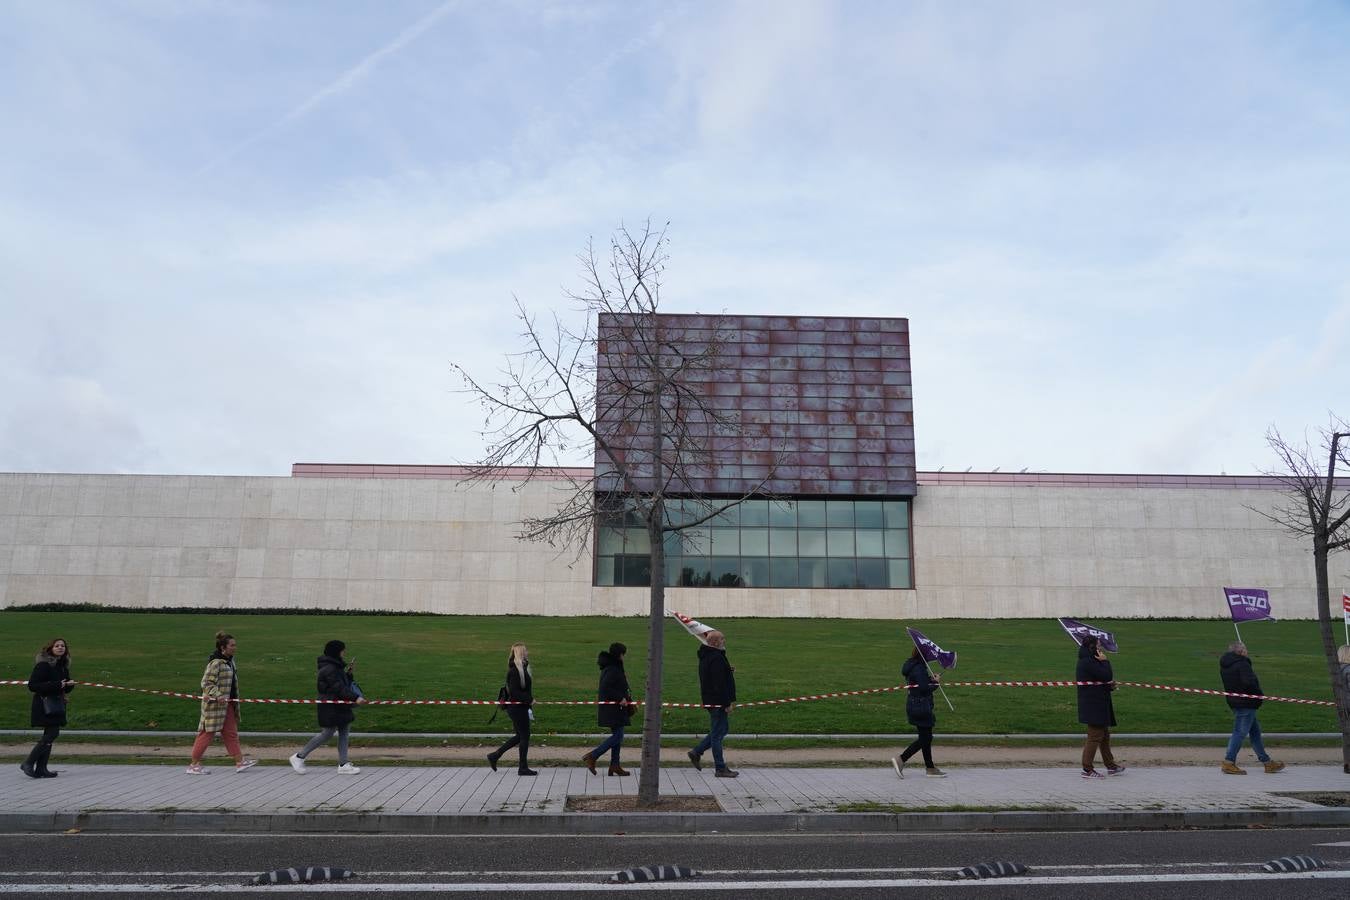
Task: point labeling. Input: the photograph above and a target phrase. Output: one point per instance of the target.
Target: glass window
(673, 544)
(811, 513)
(897, 544)
(811, 542)
(730, 516)
(636, 540)
(784, 572)
(755, 541)
(726, 571)
(867, 513)
(900, 573)
(754, 571)
(897, 513)
(841, 573)
(839, 513)
(755, 512)
(611, 541)
(636, 570)
(604, 571)
(813, 573)
(782, 514)
(782, 542)
(870, 543)
(696, 572)
(697, 541)
(726, 541)
(840, 542)
(673, 566)
(872, 573)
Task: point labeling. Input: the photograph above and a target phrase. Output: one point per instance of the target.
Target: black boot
(41, 764)
(27, 766)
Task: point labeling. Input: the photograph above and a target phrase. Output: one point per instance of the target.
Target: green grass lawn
(464, 657)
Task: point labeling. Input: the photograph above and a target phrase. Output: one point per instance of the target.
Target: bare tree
(1317, 506)
(630, 386)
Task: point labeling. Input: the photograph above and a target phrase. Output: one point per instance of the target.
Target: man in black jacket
(1240, 678)
(718, 687)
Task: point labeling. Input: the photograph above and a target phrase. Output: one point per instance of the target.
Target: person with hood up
(717, 684)
(220, 707)
(50, 683)
(919, 712)
(615, 709)
(336, 682)
(1235, 668)
(520, 691)
(1095, 709)
(1343, 657)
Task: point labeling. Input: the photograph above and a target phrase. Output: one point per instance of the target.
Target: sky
(235, 235)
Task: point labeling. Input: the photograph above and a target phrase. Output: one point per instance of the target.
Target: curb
(171, 822)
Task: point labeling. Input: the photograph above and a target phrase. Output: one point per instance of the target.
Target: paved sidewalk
(396, 798)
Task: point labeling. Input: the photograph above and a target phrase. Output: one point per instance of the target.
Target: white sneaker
(246, 764)
(197, 769)
(298, 764)
(348, 769)
(899, 765)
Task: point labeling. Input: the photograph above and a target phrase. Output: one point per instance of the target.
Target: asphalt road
(1134, 865)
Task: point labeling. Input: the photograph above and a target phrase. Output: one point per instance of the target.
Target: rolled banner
(1081, 631)
(1345, 605)
(930, 651)
(693, 626)
(1248, 604)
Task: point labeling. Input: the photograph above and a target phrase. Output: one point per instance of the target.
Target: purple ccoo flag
(1081, 631)
(931, 652)
(1248, 604)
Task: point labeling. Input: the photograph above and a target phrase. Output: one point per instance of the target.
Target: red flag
(693, 626)
(1345, 604)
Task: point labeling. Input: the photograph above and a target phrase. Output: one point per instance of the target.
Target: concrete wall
(441, 545)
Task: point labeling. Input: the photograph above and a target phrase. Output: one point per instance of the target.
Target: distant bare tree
(629, 389)
(1317, 507)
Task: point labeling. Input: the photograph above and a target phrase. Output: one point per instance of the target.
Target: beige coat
(216, 683)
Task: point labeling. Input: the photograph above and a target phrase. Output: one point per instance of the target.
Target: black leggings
(924, 743)
(520, 718)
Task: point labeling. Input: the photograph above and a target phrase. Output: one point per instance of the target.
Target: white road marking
(845, 884)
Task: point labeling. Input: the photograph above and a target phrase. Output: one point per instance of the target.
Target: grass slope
(464, 657)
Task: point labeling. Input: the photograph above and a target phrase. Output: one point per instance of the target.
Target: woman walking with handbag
(615, 709)
(919, 712)
(520, 691)
(336, 682)
(50, 683)
(220, 707)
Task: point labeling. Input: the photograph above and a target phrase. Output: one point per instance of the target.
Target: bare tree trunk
(649, 778)
(1329, 646)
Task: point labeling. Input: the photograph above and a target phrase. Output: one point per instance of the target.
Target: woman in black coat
(1095, 709)
(615, 709)
(520, 690)
(335, 682)
(50, 683)
(919, 712)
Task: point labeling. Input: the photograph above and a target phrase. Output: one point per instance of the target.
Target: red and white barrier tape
(773, 702)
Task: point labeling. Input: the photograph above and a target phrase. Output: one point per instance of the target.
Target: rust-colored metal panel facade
(825, 404)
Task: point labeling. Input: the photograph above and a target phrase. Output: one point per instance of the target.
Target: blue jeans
(612, 744)
(719, 723)
(1244, 724)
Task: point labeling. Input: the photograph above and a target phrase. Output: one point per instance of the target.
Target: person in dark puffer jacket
(50, 683)
(335, 682)
(1235, 668)
(1095, 709)
(717, 684)
(615, 709)
(919, 712)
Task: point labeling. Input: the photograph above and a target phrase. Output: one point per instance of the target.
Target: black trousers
(520, 719)
(43, 748)
(924, 743)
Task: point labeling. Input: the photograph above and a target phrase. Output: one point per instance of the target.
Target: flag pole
(930, 673)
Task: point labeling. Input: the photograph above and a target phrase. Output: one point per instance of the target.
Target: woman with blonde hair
(220, 707)
(519, 691)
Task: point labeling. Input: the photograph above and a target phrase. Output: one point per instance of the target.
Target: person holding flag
(1094, 705)
(717, 685)
(919, 712)
(1235, 667)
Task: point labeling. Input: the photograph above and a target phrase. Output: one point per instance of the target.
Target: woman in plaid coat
(220, 707)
